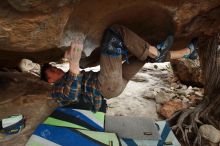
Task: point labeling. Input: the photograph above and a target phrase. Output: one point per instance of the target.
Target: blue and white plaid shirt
(71, 88)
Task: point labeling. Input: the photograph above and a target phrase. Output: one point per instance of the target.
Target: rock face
(188, 71)
(36, 26)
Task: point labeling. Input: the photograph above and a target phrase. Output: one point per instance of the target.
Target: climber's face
(54, 74)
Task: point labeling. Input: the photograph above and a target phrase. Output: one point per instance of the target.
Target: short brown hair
(43, 74)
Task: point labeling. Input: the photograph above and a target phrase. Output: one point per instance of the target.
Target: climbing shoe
(112, 44)
(162, 49)
(12, 124)
(193, 47)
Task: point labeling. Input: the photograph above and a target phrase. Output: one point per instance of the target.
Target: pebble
(181, 92)
(189, 91)
(181, 97)
(210, 133)
(184, 87)
(196, 89)
(190, 88)
(198, 93)
(185, 100)
(172, 95)
(175, 85)
(162, 97)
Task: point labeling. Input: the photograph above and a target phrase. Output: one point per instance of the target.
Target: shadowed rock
(24, 94)
(36, 26)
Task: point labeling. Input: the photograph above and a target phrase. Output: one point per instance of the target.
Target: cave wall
(39, 29)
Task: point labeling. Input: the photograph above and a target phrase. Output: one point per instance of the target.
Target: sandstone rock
(40, 6)
(210, 133)
(33, 26)
(188, 72)
(29, 32)
(170, 107)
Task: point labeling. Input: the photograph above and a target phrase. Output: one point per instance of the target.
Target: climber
(87, 90)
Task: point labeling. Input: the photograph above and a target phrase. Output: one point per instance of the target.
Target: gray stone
(189, 91)
(196, 89)
(181, 92)
(185, 100)
(210, 133)
(190, 88)
(162, 97)
(182, 97)
(198, 93)
(175, 85)
(184, 87)
(172, 95)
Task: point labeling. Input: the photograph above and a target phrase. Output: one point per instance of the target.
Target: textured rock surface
(170, 107)
(189, 72)
(33, 26)
(23, 94)
(210, 133)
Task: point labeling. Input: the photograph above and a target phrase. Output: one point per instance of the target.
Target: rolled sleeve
(68, 89)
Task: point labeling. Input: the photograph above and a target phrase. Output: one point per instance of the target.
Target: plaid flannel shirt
(73, 87)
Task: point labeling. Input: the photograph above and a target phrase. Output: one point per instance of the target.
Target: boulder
(210, 133)
(188, 71)
(168, 108)
(162, 97)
